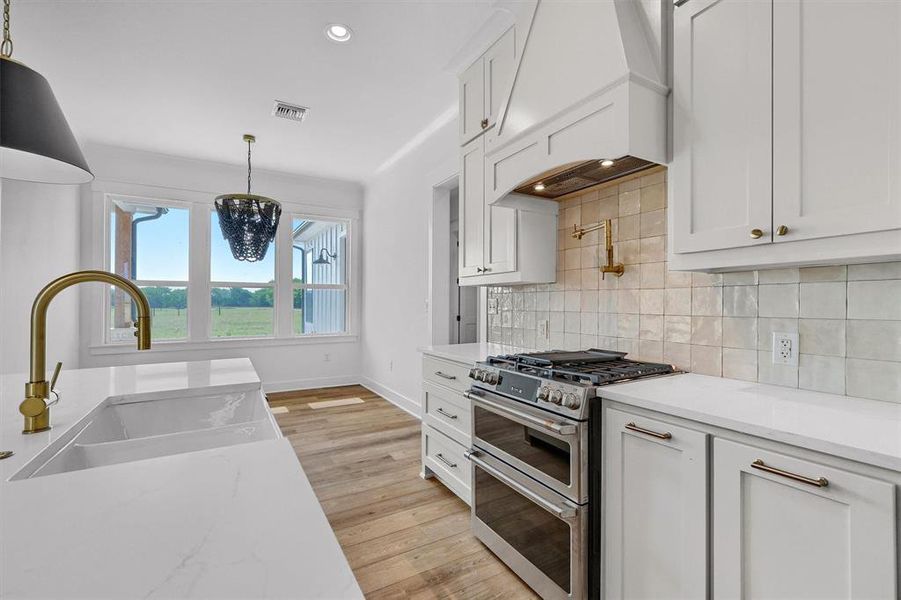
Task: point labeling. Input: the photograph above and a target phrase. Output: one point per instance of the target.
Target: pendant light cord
(6, 47)
(248, 166)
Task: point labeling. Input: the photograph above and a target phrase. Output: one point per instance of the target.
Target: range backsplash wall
(848, 317)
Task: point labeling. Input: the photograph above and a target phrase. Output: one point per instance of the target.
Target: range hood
(590, 86)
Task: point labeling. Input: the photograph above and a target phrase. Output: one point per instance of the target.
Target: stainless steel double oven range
(534, 461)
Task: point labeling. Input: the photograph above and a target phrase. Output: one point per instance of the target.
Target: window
(242, 293)
(295, 292)
(149, 245)
(320, 276)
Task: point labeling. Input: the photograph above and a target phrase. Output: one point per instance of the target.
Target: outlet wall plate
(785, 348)
(492, 306)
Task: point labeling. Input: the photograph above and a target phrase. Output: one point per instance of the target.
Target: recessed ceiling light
(606, 163)
(539, 187)
(338, 32)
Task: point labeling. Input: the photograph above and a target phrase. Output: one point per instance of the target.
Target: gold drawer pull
(440, 457)
(445, 375)
(443, 412)
(781, 230)
(818, 482)
(661, 436)
(756, 234)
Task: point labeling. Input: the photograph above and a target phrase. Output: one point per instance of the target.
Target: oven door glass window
(542, 538)
(535, 448)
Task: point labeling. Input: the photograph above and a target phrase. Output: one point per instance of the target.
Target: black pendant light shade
(36, 143)
(248, 222)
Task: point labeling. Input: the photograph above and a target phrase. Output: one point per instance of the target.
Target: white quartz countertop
(470, 353)
(867, 431)
(240, 521)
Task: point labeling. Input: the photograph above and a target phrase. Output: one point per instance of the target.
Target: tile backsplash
(848, 317)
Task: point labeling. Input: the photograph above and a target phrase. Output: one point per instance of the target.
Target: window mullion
(199, 274)
(284, 290)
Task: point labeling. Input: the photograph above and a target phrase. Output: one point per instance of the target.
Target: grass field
(171, 324)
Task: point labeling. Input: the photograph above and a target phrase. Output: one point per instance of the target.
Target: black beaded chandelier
(247, 221)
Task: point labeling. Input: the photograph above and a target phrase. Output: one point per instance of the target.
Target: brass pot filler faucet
(35, 407)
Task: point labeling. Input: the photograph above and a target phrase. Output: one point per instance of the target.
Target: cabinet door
(836, 117)
(775, 536)
(472, 208)
(500, 239)
(472, 101)
(722, 144)
(655, 509)
(500, 65)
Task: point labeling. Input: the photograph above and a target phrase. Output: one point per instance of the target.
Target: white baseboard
(392, 396)
(309, 383)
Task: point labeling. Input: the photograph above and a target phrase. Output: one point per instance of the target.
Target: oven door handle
(555, 426)
(564, 512)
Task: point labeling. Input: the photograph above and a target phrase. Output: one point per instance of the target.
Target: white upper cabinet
(472, 208)
(655, 508)
(722, 138)
(785, 527)
(836, 117)
(484, 86)
(786, 133)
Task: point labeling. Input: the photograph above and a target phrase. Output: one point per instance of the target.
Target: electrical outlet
(543, 328)
(390, 365)
(785, 349)
(327, 357)
(492, 306)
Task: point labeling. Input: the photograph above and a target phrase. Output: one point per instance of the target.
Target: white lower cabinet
(446, 417)
(790, 528)
(753, 522)
(655, 509)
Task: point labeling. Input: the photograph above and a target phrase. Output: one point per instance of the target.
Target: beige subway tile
(875, 300)
(653, 178)
(651, 327)
(678, 355)
(590, 279)
(707, 301)
(629, 346)
(572, 215)
(608, 324)
(877, 340)
(628, 252)
(706, 279)
(677, 329)
(678, 279)
(740, 278)
(589, 301)
(588, 341)
(824, 337)
(652, 275)
(791, 275)
(651, 302)
(630, 184)
(572, 280)
(825, 300)
(627, 325)
(653, 249)
(606, 190)
(629, 203)
(557, 301)
(779, 300)
(572, 259)
(767, 326)
(591, 210)
(875, 271)
(811, 274)
(876, 379)
(628, 228)
(556, 322)
(678, 301)
(821, 373)
(653, 223)
(572, 341)
(707, 360)
(608, 208)
(572, 322)
(740, 364)
(572, 301)
(628, 301)
(653, 197)
(607, 301)
(739, 332)
(707, 331)
(588, 323)
(740, 301)
(589, 257)
(631, 277)
(650, 350)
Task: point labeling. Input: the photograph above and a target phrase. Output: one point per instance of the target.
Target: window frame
(347, 262)
(199, 285)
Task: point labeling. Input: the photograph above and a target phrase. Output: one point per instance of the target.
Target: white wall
(283, 364)
(39, 234)
(395, 264)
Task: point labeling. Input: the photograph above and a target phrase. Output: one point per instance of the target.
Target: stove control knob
(543, 392)
(491, 378)
(473, 373)
(556, 396)
(571, 401)
(480, 375)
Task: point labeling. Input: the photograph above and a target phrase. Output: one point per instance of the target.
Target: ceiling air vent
(292, 112)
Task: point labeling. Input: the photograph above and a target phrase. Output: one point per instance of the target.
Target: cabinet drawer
(448, 411)
(445, 458)
(446, 373)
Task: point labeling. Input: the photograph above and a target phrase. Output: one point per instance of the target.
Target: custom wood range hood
(587, 103)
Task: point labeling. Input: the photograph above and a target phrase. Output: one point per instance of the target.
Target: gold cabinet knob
(781, 230)
(484, 123)
(756, 233)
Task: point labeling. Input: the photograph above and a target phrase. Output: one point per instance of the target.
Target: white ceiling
(188, 78)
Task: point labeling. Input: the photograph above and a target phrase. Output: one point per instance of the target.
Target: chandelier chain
(248, 166)
(6, 47)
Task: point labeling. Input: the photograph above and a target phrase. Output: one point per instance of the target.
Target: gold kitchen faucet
(35, 407)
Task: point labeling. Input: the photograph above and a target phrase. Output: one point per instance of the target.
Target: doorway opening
(464, 301)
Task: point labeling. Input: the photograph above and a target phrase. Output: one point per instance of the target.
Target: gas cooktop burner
(588, 367)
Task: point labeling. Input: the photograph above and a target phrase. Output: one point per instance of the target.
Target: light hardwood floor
(403, 536)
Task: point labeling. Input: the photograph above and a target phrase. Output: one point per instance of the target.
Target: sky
(162, 250)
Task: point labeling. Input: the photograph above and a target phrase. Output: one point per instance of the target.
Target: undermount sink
(129, 428)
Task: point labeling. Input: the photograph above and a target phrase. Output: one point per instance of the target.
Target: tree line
(177, 298)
